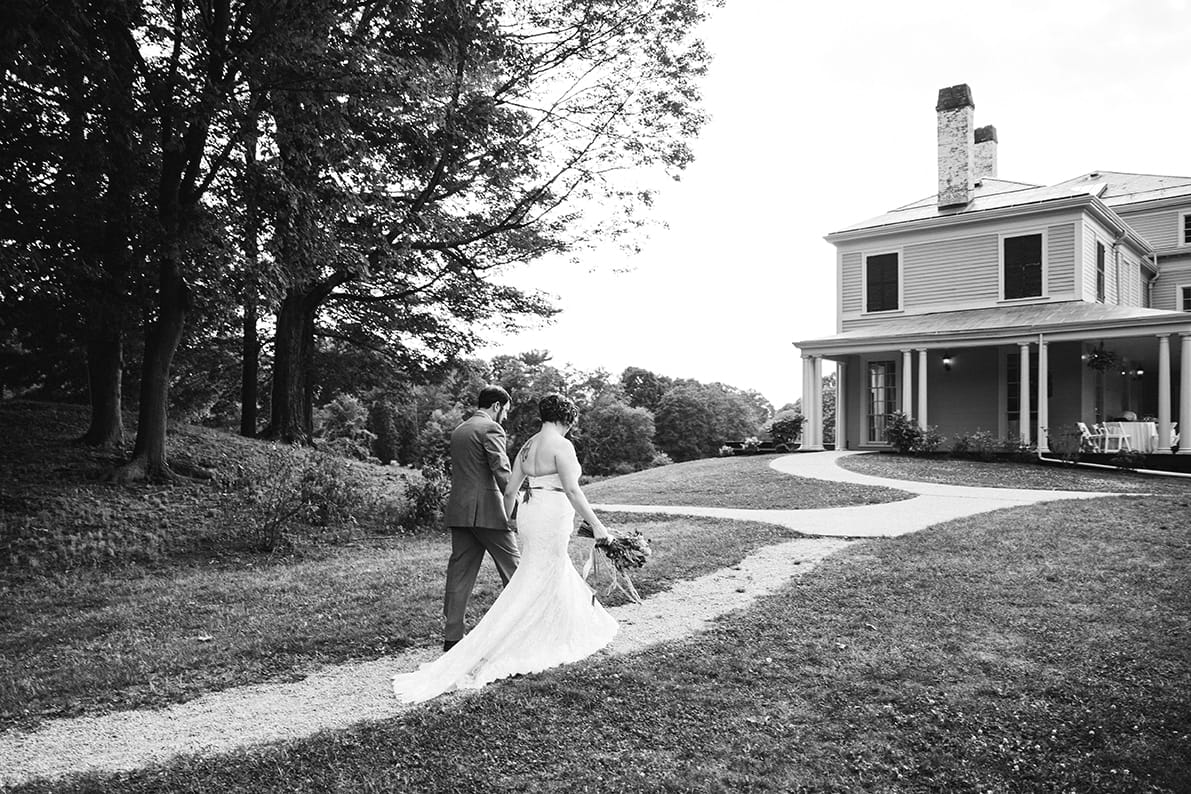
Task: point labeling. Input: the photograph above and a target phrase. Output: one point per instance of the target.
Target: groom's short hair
(493, 394)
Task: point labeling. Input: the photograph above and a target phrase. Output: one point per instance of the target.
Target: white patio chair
(1090, 440)
(1174, 434)
(1115, 438)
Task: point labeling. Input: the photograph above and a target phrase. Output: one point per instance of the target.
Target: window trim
(1182, 234)
(1179, 289)
(1001, 237)
(901, 281)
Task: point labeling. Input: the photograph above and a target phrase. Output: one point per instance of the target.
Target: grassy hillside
(57, 512)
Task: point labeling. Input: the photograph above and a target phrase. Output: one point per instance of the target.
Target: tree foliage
(363, 172)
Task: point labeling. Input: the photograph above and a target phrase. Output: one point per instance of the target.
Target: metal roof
(1114, 188)
(1001, 321)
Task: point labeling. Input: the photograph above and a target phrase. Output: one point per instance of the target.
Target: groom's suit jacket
(479, 473)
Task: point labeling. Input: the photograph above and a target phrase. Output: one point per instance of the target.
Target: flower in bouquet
(624, 552)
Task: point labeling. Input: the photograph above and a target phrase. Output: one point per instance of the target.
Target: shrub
(1128, 459)
(930, 441)
(1065, 443)
(787, 429)
(906, 436)
(726, 451)
(425, 499)
(660, 459)
(1012, 449)
(342, 426)
(298, 489)
(981, 445)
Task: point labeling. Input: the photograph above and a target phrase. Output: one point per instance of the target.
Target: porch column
(922, 389)
(807, 419)
(1164, 393)
(841, 427)
(817, 401)
(1185, 394)
(1023, 394)
(907, 383)
(1043, 407)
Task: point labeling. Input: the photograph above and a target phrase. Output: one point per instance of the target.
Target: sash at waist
(529, 488)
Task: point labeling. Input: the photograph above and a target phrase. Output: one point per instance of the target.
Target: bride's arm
(568, 472)
(511, 489)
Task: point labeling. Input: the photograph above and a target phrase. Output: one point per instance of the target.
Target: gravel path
(340, 696)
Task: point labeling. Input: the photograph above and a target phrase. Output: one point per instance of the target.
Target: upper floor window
(1021, 266)
(1100, 272)
(1185, 228)
(1185, 297)
(882, 282)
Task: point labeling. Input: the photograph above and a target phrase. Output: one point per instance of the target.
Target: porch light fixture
(947, 361)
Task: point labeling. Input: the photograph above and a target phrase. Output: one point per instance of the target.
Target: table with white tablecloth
(1143, 436)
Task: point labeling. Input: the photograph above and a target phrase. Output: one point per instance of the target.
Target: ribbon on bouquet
(619, 579)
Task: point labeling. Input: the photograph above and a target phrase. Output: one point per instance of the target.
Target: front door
(882, 399)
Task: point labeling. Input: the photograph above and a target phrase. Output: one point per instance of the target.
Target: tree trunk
(105, 304)
(250, 368)
(105, 369)
(149, 460)
(293, 350)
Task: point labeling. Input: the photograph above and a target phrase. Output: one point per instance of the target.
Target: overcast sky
(822, 115)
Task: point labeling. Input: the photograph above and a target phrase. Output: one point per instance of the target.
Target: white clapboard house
(1008, 307)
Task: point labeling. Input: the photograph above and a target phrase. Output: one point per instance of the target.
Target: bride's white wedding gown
(545, 616)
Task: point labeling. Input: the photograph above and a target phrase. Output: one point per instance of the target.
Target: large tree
(450, 142)
(73, 169)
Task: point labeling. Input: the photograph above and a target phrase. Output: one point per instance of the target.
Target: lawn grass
(1041, 648)
(1038, 648)
(1007, 474)
(93, 641)
(733, 482)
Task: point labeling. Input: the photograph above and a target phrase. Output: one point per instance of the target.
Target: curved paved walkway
(933, 503)
(339, 696)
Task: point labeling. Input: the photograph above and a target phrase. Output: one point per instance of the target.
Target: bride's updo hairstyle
(556, 408)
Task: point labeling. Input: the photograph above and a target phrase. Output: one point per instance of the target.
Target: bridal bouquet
(624, 553)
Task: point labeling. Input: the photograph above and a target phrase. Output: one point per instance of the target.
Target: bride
(546, 615)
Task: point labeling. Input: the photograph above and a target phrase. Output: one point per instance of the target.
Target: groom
(475, 509)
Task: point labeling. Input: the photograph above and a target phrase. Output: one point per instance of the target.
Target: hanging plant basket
(1101, 359)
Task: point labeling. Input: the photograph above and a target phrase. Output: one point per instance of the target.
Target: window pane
(1187, 228)
(881, 283)
(1187, 299)
(1100, 272)
(1023, 266)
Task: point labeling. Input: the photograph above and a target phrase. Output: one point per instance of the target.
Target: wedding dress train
(545, 616)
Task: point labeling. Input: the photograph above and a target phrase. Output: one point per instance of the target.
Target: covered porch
(1019, 373)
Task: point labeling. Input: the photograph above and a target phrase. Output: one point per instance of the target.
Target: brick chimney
(956, 145)
(985, 158)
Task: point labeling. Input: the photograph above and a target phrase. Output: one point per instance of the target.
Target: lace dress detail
(544, 617)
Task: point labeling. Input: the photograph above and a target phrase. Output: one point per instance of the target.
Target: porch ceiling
(1066, 320)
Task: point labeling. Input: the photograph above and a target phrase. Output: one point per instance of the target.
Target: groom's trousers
(468, 545)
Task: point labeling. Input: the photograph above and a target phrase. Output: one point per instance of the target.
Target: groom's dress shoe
(448, 645)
